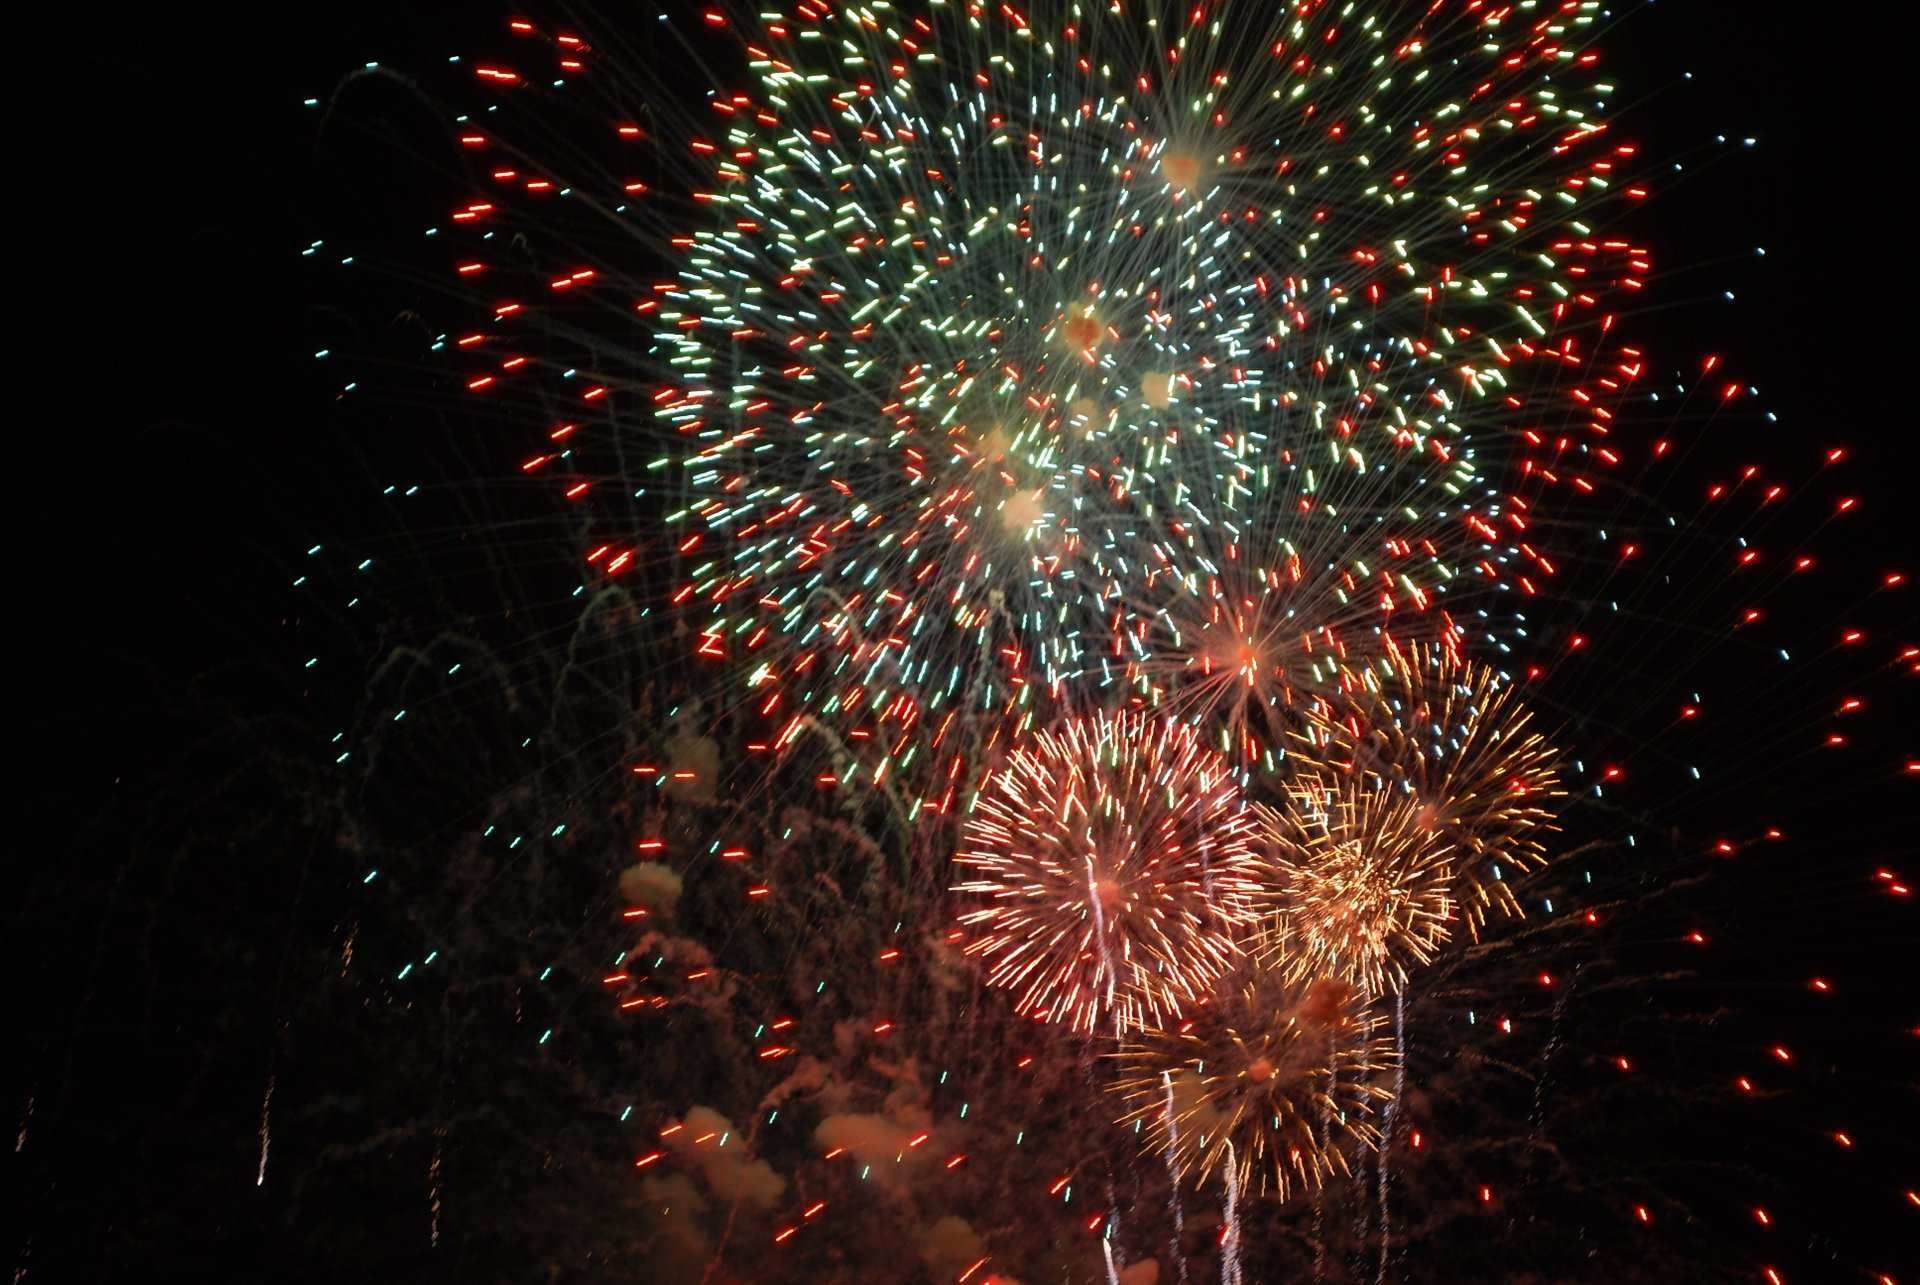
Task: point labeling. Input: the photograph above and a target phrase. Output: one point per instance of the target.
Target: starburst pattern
(1274, 1078)
(1014, 335)
(1454, 739)
(1107, 870)
(1363, 888)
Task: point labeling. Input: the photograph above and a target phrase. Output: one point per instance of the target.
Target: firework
(1107, 867)
(1455, 740)
(994, 365)
(1364, 886)
(1001, 319)
(1273, 1078)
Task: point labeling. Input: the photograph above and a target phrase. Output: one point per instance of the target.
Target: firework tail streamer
(1105, 944)
(1230, 1211)
(266, 1132)
(1325, 1126)
(1386, 1125)
(1173, 1177)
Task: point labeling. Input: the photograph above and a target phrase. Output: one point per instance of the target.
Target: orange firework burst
(1269, 1081)
(1364, 885)
(1449, 736)
(1110, 866)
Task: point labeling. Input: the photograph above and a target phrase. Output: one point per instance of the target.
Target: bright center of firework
(1021, 512)
(1260, 1070)
(1222, 650)
(1084, 414)
(1081, 331)
(1181, 170)
(1156, 387)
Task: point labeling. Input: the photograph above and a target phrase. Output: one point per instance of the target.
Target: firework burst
(1108, 866)
(1454, 739)
(1273, 1078)
(1364, 887)
(987, 333)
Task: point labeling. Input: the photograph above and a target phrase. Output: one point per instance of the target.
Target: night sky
(183, 883)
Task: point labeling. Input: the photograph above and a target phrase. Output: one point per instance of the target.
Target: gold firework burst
(1450, 737)
(1362, 887)
(1272, 1079)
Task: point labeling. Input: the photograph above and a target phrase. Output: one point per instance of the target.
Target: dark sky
(174, 450)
